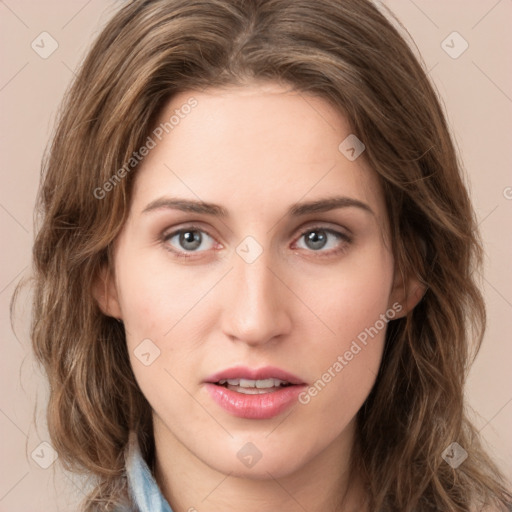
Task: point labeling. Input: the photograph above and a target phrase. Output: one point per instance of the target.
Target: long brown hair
(347, 52)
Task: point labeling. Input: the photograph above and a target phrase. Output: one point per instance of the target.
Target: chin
(259, 458)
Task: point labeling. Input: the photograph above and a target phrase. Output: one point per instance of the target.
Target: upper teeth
(248, 383)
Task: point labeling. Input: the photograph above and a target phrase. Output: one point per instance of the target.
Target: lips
(254, 393)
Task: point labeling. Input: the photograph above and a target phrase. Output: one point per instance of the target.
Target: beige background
(476, 89)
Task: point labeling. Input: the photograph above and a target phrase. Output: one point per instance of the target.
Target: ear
(104, 291)
(407, 291)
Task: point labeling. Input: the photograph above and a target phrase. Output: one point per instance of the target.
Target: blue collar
(144, 490)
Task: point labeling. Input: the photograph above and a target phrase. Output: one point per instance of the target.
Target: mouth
(254, 393)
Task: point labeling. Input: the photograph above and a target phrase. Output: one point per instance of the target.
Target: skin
(254, 150)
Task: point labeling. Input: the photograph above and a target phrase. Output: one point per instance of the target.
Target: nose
(257, 303)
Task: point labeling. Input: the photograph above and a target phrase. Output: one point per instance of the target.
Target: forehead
(249, 146)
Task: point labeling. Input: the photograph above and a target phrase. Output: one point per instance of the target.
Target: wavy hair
(348, 53)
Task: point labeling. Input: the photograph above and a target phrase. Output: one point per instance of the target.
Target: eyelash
(342, 237)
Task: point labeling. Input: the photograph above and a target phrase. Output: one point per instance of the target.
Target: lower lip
(255, 407)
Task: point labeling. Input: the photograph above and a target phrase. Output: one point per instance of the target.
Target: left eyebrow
(325, 205)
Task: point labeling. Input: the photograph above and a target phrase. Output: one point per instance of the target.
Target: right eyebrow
(186, 205)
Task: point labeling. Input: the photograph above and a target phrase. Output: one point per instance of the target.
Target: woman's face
(256, 248)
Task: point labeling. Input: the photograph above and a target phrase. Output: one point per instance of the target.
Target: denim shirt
(144, 491)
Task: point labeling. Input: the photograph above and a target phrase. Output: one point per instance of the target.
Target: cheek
(351, 297)
(154, 295)
(165, 309)
(353, 303)
(157, 303)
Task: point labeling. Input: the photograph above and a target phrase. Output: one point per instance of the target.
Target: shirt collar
(143, 488)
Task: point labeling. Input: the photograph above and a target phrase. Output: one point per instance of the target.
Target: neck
(324, 483)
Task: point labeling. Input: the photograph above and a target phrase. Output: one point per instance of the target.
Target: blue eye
(188, 240)
(317, 239)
